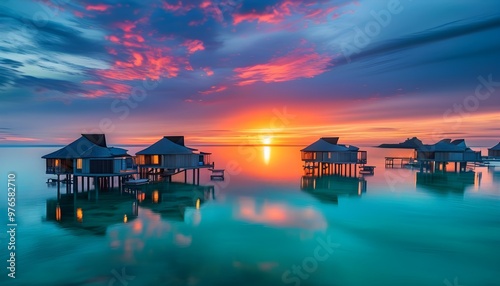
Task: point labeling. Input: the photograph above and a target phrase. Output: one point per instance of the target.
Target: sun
(266, 140)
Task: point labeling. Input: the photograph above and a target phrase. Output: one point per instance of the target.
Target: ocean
(267, 223)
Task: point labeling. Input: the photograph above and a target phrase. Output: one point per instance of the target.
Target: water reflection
(494, 173)
(89, 217)
(279, 214)
(444, 182)
(171, 200)
(267, 154)
(328, 188)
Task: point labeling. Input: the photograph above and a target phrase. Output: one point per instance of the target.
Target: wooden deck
(398, 161)
(367, 170)
(217, 174)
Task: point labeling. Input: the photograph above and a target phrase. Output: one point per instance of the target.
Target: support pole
(58, 187)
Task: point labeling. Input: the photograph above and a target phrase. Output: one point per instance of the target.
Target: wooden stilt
(58, 187)
(96, 189)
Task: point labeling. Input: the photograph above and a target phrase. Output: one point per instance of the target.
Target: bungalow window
(155, 160)
(56, 163)
(79, 164)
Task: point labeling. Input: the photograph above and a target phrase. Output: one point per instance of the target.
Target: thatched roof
(329, 144)
(87, 146)
(168, 145)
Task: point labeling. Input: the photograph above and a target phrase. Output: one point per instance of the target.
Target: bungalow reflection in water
(328, 188)
(171, 200)
(89, 217)
(444, 182)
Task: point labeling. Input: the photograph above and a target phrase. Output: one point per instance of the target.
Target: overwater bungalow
(446, 151)
(332, 158)
(434, 156)
(494, 152)
(169, 156)
(89, 157)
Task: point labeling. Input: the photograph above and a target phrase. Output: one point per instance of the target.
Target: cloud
(213, 89)
(193, 46)
(440, 33)
(300, 63)
(97, 7)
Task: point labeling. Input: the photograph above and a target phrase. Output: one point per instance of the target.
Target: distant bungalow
(327, 155)
(447, 150)
(90, 157)
(435, 155)
(494, 151)
(170, 156)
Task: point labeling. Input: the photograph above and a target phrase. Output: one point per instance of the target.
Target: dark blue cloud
(63, 86)
(443, 32)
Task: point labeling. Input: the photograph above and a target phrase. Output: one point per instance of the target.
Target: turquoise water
(263, 225)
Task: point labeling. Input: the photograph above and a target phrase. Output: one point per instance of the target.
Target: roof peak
(97, 139)
(179, 140)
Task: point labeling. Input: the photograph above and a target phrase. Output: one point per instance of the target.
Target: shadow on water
(91, 217)
(447, 182)
(327, 189)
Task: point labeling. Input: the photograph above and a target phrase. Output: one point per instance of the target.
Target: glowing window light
(156, 196)
(79, 214)
(58, 213)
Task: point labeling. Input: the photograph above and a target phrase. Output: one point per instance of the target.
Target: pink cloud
(213, 89)
(208, 71)
(270, 17)
(97, 7)
(126, 26)
(300, 63)
(193, 46)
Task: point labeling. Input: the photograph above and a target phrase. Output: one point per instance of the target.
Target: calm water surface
(264, 225)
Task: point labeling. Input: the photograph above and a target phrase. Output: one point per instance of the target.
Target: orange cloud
(297, 64)
(97, 7)
(193, 46)
(137, 59)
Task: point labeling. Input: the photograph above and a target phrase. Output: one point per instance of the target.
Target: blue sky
(223, 71)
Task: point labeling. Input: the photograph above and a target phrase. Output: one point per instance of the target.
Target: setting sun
(266, 140)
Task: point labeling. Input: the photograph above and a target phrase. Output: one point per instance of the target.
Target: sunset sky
(249, 72)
